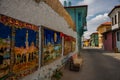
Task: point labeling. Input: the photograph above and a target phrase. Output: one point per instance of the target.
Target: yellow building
(101, 29)
(86, 43)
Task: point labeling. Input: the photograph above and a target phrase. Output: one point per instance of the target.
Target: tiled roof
(104, 24)
(94, 33)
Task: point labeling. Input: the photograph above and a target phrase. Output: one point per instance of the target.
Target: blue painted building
(79, 14)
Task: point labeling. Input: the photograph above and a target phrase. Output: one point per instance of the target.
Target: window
(118, 36)
(112, 21)
(79, 19)
(105, 36)
(115, 19)
(79, 16)
(119, 17)
(1, 59)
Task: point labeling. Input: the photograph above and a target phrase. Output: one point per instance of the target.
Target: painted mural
(52, 48)
(24, 47)
(25, 52)
(67, 47)
(73, 44)
(69, 44)
(5, 35)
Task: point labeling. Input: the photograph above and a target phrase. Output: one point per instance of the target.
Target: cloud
(98, 6)
(95, 22)
(98, 19)
(86, 2)
(62, 1)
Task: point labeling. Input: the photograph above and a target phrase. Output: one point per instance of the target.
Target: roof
(105, 24)
(58, 7)
(118, 6)
(78, 7)
(87, 40)
(94, 33)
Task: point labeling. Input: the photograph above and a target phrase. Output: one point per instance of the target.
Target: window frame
(118, 35)
(105, 36)
(112, 21)
(115, 19)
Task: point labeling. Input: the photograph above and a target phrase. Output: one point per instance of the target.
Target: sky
(98, 11)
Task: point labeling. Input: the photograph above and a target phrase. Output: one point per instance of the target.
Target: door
(118, 40)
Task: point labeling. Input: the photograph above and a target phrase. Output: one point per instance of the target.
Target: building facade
(115, 19)
(101, 29)
(94, 42)
(78, 14)
(86, 43)
(36, 38)
(108, 41)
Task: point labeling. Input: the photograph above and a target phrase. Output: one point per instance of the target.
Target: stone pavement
(98, 65)
(70, 75)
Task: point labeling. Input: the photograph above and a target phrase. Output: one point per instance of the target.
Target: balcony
(116, 26)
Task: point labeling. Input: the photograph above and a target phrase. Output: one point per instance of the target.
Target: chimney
(65, 3)
(69, 3)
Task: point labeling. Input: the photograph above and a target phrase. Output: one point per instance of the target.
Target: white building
(49, 13)
(115, 18)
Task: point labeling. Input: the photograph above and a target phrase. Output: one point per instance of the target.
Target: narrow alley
(98, 65)
(41, 39)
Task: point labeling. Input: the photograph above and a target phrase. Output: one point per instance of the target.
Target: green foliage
(58, 74)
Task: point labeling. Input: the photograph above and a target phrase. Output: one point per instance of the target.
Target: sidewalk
(114, 55)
